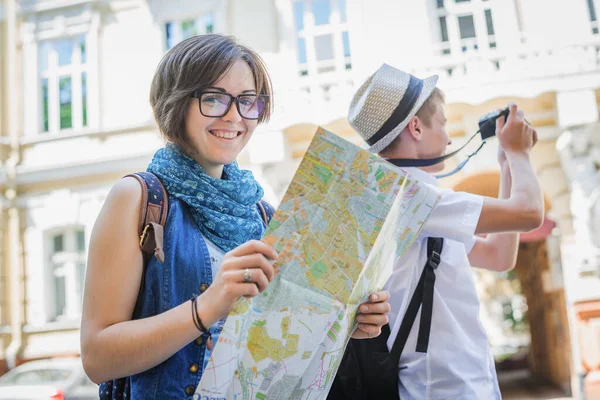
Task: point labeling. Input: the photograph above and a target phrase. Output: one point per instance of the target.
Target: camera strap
(426, 162)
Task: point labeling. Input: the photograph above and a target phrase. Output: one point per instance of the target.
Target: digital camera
(487, 123)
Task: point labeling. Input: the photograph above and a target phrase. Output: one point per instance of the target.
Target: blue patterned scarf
(224, 209)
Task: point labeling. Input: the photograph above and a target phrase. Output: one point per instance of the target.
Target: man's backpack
(368, 370)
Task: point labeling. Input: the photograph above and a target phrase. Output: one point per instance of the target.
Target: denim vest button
(189, 390)
(194, 368)
(199, 341)
(203, 287)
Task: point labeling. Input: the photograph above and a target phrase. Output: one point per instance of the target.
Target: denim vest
(185, 271)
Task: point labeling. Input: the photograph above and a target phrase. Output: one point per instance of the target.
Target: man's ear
(414, 128)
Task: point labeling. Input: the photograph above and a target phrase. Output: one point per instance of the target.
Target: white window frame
(50, 25)
(452, 11)
(66, 262)
(53, 74)
(309, 31)
(177, 24)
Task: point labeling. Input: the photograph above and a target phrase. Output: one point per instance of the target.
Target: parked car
(53, 379)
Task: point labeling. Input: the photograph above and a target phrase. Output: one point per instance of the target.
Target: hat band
(402, 110)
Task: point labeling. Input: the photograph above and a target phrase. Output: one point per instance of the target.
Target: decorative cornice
(33, 176)
(32, 140)
(34, 6)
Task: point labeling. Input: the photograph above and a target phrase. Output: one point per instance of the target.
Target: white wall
(131, 46)
(556, 22)
(254, 23)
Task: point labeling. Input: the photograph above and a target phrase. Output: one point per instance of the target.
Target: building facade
(75, 117)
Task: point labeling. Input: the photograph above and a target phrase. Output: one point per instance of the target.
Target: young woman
(208, 95)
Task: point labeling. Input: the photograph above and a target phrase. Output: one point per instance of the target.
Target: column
(578, 116)
(13, 251)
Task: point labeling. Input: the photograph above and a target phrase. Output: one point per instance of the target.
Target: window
(301, 50)
(341, 8)
(67, 272)
(176, 31)
(321, 10)
(346, 41)
(324, 47)
(322, 37)
(443, 29)
(593, 17)
(445, 47)
(466, 26)
(461, 26)
(489, 22)
(299, 15)
(63, 84)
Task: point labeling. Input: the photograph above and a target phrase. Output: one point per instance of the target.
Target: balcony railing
(317, 98)
(526, 62)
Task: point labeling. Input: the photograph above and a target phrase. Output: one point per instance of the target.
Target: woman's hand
(245, 271)
(372, 316)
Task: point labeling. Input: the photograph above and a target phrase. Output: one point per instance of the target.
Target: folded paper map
(344, 220)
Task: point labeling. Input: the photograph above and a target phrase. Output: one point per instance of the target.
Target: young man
(402, 117)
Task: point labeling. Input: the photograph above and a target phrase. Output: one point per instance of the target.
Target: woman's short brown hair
(195, 64)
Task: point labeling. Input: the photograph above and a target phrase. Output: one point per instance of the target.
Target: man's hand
(515, 134)
(372, 316)
(521, 208)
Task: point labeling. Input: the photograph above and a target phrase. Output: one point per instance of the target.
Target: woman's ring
(247, 276)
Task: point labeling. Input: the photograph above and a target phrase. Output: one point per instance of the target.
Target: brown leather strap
(152, 241)
(153, 216)
(152, 222)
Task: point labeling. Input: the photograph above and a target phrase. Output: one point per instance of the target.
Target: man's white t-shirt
(458, 363)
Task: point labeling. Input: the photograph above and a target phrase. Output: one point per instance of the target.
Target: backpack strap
(153, 216)
(266, 211)
(263, 213)
(423, 295)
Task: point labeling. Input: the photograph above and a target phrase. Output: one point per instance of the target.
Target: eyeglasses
(217, 104)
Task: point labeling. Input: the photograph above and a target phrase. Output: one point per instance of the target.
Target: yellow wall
(3, 57)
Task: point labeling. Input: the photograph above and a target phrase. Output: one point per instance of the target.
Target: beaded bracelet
(196, 317)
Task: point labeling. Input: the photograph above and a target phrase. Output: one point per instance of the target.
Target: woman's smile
(225, 134)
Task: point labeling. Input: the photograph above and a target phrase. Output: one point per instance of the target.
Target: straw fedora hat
(385, 103)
